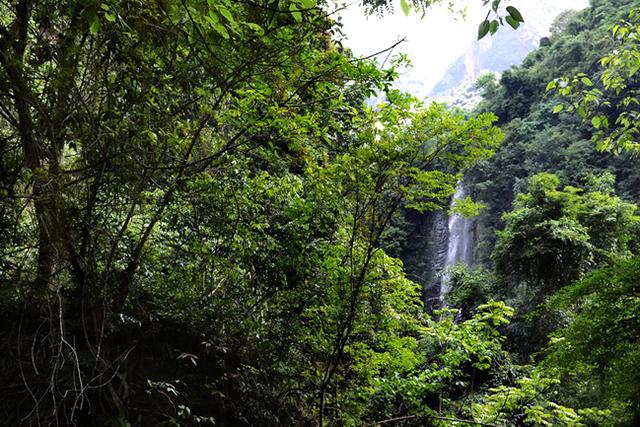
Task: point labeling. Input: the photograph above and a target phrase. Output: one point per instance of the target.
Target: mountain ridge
(498, 53)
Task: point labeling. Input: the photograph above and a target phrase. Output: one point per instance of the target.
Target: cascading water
(459, 242)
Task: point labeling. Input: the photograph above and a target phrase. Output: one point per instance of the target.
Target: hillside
(212, 213)
(537, 140)
(498, 53)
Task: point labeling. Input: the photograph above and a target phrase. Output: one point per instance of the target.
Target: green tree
(612, 106)
(197, 192)
(597, 355)
(553, 236)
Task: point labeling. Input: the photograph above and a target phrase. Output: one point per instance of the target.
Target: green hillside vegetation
(557, 238)
(199, 211)
(537, 139)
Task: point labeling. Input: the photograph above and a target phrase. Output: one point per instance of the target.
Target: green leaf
(227, 15)
(511, 21)
(586, 81)
(494, 26)
(217, 26)
(483, 29)
(405, 7)
(558, 108)
(255, 27)
(222, 31)
(467, 208)
(515, 14)
(94, 24)
(295, 12)
(596, 122)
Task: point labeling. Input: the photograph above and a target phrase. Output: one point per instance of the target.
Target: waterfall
(459, 242)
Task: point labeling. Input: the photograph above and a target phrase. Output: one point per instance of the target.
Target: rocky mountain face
(496, 54)
(426, 255)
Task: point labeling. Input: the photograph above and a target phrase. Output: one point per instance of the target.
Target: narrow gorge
(459, 242)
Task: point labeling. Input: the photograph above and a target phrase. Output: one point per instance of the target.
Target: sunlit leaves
(297, 15)
(92, 20)
(613, 98)
(527, 400)
(405, 7)
(467, 207)
(109, 14)
(440, 362)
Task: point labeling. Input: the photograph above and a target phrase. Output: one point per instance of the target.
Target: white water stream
(459, 242)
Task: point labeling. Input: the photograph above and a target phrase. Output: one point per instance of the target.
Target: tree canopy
(199, 201)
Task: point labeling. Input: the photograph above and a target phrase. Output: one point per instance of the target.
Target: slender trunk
(12, 56)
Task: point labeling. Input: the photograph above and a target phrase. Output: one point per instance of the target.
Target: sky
(433, 42)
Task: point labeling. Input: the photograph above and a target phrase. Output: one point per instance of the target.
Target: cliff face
(425, 254)
(498, 53)
(437, 241)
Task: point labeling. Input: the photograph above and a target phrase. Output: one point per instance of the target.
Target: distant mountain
(498, 53)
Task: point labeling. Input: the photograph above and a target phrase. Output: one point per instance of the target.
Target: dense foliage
(536, 138)
(200, 204)
(556, 242)
(597, 353)
(193, 199)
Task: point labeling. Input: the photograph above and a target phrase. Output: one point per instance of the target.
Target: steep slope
(538, 140)
(498, 53)
(425, 254)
